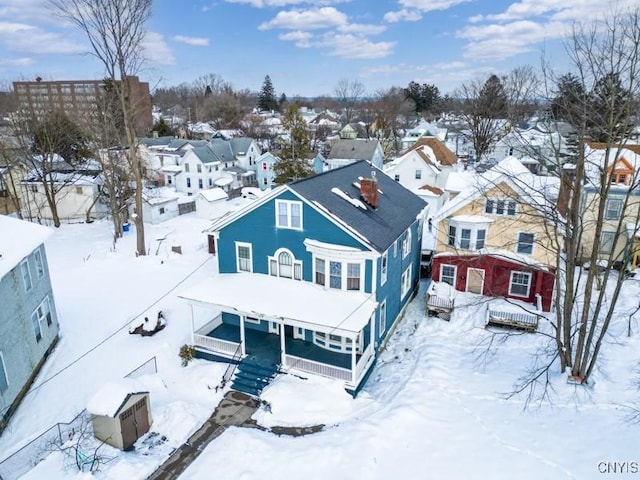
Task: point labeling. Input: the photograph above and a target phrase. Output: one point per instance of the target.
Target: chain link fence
(20, 462)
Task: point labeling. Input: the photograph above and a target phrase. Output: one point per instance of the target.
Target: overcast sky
(307, 46)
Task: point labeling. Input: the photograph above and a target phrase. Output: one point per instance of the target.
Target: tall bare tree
(116, 30)
(349, 93)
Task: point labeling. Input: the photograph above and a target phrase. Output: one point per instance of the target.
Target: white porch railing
(365, 360)
(215, 344)
(318, 368)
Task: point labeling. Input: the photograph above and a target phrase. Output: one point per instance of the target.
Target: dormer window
(621, 172)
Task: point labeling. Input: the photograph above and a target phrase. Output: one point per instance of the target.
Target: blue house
(313, 276)
(28, 321)
(265, 175)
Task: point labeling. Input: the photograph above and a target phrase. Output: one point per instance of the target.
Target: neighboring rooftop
(18, 239)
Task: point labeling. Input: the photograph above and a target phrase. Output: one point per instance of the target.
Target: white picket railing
(524, 320)
(318, 368)
(210, 326)
(215, 344)
(364, 362)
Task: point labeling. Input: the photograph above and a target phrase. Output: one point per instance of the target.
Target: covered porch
(298, 325)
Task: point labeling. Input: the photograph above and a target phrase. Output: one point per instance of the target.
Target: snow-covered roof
(155, 196)
(18, 239)
(535, 190)
(302, 304)
(223, 181)
(172, 169)
(111, 397)
(213, 194)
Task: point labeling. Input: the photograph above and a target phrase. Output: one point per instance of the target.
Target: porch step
(252, 376)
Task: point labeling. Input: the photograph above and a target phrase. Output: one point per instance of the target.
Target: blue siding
(258, 227)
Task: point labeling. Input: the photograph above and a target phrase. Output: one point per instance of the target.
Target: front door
(475, 280)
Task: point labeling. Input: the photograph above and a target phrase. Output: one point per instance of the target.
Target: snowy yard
(432, 408)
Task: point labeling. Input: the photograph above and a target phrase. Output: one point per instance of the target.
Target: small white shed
(120, 413)
(159, 204)
(207, 202)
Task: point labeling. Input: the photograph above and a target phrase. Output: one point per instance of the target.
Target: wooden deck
(439, 306)
(518, 320)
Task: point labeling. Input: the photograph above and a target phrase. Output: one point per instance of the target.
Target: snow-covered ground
(434, 407)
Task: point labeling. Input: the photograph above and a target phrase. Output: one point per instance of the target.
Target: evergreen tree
(609, 104)
(267, 98)
(426, 97)
(163, 129)
(568, 103)
(492, 99)
(293, 162)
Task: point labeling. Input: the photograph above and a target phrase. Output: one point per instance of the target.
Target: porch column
(282, 344)
(193, 326)
(243, 345)
(353, 361)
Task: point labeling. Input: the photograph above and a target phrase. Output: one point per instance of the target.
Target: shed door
(128, 427)
(475, 280)
(134, 423)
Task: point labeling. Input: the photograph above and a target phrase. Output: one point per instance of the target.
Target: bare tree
(348, 92)
(391, 109)
(116, 30)
(490, 107)
(54, 152)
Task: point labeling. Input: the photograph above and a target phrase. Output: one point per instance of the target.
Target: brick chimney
(369, 190)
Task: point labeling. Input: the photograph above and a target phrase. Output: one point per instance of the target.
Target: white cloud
(193, 41)
(362, 28)
(17, 62)
(354, 46)
(286, 3)
(21, 37)
(430, 5)
(300, 39)
(497, 42)
(388, 69)
(326, 17)
(156, 49)
(402, 15)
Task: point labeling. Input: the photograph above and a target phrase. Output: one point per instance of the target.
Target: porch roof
(300, 304)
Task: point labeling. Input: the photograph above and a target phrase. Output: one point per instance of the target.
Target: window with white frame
(243, 257)
(406, 243)
(161, 210)
(289, 214)
(383, 268)
(298, 332)
(199, 168)
(40, 317)
(467, 235)
(26, 275)
(188, 182)
(4, 379)
(520, 284)
(252, 320)
(500, 207)
(337, 343)
(418, 174)
(452, 236)
(200, 184)
(382, 319)
(353, 276)
(283, 264)
(606, 242)
(448, 274)
(335, 275)
(405, 282)
(480, 239)
(613, 209)
(319, 275)
(186, 167)
(39, 263)
(525, 243)
(396, 177)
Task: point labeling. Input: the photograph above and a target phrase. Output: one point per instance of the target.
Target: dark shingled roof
(397, 206)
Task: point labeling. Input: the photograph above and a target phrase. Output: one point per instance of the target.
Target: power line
(111, 335)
